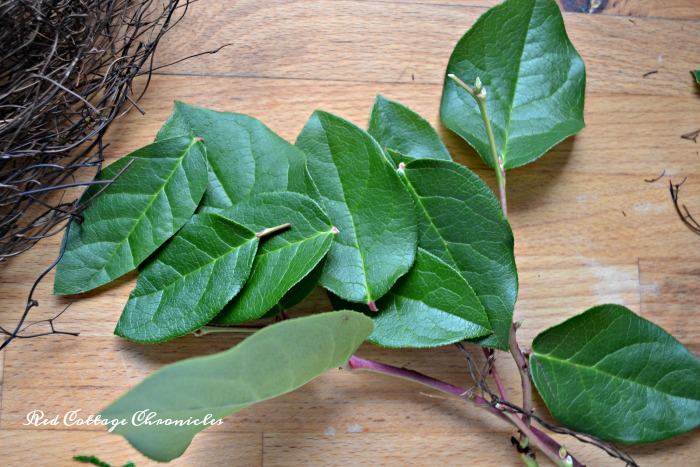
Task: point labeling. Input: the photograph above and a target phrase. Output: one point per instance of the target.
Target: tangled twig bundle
(66, 71)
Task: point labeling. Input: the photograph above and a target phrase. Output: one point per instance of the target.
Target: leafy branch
(413, 248)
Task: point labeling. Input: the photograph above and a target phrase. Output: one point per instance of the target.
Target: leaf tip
(372, 306)
(335, 230)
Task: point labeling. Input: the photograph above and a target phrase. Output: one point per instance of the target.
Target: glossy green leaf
(367, 202)
(400, 129)
(245, 157)
(696, 74)
(431, 305)
(155, 196)
(283, 259)
(613, 374)
(298, 293)
(187, 283)
(461, 222)
(534, 78)
(271, 362)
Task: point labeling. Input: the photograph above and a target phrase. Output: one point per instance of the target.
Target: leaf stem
(271, 230)
(545, 447)
(479, 94)
(525, 378)
(359, 363)
(524, 370)
(539, 439)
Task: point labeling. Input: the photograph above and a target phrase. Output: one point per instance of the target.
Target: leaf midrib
(514, 86)
(447, 248)
(199, 268)
(138, 219)
(579, 366)
(219, 177)
(351, 215)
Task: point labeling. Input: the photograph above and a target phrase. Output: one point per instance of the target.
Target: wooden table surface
(588, 228)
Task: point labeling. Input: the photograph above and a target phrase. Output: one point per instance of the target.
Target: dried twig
(66, 71)
(681, 209)
(656, 179)
(692, 136)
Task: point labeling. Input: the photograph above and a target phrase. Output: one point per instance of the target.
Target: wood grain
(346, 40)
(589, 229)
(47, 448)
(679, 9)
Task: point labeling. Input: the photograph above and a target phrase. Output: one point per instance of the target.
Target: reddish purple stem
(545, 441)
(490, 357)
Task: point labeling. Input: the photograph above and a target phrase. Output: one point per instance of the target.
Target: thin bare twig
(66, 72)
(656, 179)
(681, 209)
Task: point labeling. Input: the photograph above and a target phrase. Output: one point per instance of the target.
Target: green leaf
(303, 288)
(398, 128)
(430, 306)
(271, 362)
(534, 77)
(298, 293)
(696, 73)
(615, 375)
(461, 222)
(367, 202)
(245, 157)
(94, 460)
(187, 283)
(282, 260)
(155, 196)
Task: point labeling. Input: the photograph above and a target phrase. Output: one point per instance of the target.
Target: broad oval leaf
(534, 77)
(245, 157)
(271, 362)
(615, 375)
(187, 283)
(404, 132)
(155, 196)
(367, 202)
(432, 305)
(282, 260)
(461, 222)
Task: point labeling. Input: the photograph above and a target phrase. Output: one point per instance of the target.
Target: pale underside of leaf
(150, 201)
(271, 362)
(188, 282)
